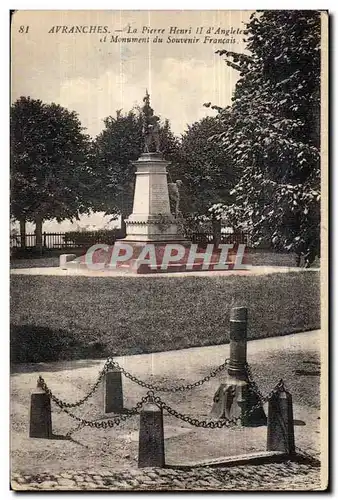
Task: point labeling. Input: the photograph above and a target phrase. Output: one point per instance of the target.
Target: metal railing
(67, 240)
(225, 238)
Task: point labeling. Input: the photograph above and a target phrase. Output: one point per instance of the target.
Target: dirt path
(249, 271)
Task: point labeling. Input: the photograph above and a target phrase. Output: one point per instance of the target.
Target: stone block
(113, 398)
(40, 421)
(64, 258)
(151, 437)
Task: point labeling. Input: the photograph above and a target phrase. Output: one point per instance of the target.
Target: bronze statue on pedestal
(151, 127)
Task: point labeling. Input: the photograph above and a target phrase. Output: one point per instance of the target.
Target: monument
(151, 219)
(151, 228)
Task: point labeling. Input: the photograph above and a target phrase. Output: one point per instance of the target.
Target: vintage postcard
(169, 218)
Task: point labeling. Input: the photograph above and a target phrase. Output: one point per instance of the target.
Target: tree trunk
(22, 233)
(298, 259)
(216, 231)
(38, 233)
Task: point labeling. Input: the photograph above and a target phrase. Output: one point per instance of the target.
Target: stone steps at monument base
(101, 259)
(171, 268)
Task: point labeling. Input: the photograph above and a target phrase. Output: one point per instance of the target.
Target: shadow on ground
(35, 344)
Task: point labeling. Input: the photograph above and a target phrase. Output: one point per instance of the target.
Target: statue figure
(151, 127)
(174, 194)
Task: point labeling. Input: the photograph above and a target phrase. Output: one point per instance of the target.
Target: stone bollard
(113, 392)
(236, 397)
(40, 419)
(238, 342)
(64, 258)
(280, 435)
(151, 437)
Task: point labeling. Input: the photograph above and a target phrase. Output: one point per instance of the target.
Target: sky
(95, 77)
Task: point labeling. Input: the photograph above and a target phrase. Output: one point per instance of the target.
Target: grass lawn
(257, 258)
(56, 317)
(38, 262)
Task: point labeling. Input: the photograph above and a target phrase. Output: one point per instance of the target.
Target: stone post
(236, 397)
(151, 437)
(238, 342)
(65, 258)
(113, 391)
(280, 434)
(40, 418)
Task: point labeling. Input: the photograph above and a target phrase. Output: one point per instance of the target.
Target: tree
(115, 149)
(171, 148)
(206, 170)
(49, 161)
(273, 130)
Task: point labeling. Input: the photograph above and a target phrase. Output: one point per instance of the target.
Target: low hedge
(71, 317)
(86, 239)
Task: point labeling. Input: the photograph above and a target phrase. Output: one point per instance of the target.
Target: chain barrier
(104, 424)
(279, 387)
(157, 388)
(213, 424)
(91, 423)
(150, 397)
(110, 364)
(80, 402)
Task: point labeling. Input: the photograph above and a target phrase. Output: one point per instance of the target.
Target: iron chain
(179, 388)
(263, 399)
(218, 424)
(150, 397)
(254, 385)
(80, 402)
(104, 424)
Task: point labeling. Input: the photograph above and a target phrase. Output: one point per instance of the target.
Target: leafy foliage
(206, 170)
(49, 160)
(273, 130)
(89, 238)
(115, 148)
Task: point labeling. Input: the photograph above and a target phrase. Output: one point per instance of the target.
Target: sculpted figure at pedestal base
(174, 194)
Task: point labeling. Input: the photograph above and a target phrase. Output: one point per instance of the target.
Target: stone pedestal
(151, 229)
(151, 220)
(236, 398)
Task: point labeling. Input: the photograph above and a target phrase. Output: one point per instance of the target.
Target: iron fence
(49, 240)
(224, 238)
(78, 240)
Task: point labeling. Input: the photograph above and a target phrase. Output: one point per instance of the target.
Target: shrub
(86, 239)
